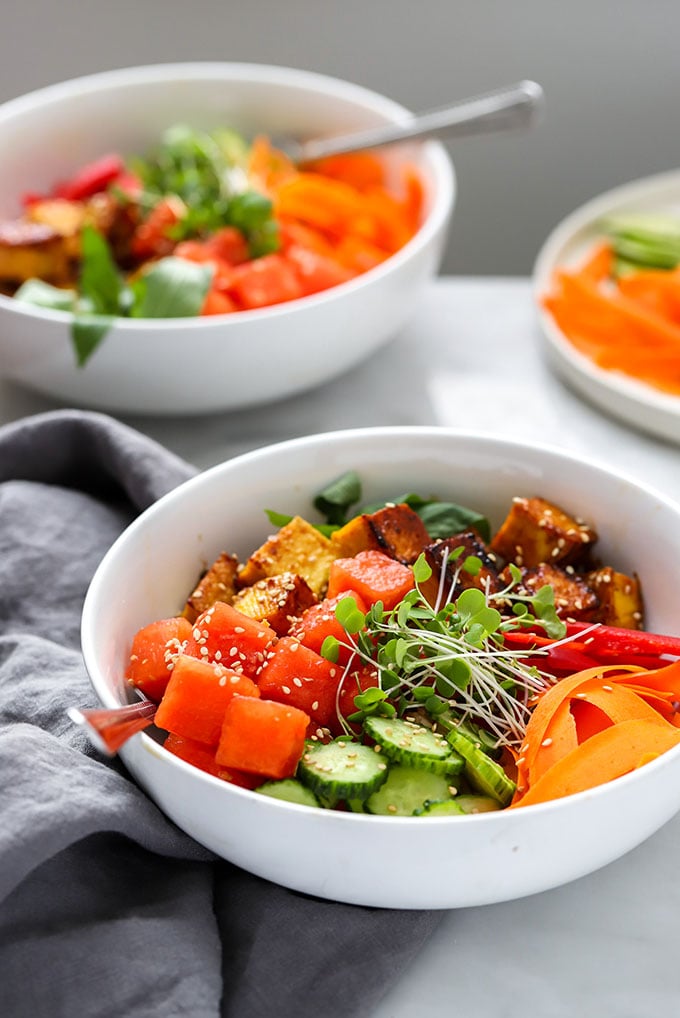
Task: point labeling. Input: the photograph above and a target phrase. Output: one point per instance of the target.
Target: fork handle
(509, 107)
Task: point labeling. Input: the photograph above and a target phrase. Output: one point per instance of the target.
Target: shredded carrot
(630, 324)
(609, 754)
(360, 169)
(597, 725)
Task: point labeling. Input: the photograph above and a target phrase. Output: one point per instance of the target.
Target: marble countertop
(604, 946)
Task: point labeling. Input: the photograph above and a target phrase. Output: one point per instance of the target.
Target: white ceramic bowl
(201, 365)
(399, 862)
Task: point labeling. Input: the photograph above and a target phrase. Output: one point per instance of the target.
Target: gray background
(610, 71)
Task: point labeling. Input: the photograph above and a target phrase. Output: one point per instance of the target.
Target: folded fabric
(106, 908)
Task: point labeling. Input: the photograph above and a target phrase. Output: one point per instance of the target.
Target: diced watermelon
(199, 755)
(319, 622)
(196, 697)
(299, 677)
(226, 636)
(262, 737)
(355, 682)
(154, 649)
(373, 575)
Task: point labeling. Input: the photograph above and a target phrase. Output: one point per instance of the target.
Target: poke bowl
(373, 853)
(288, 277)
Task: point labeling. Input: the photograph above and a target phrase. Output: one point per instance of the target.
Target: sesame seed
(315, 705)
(608, 689)
(547, 742)
(239, 629)
(286, 690)
(297, 682)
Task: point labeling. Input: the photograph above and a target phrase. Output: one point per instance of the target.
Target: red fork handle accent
(109, 727)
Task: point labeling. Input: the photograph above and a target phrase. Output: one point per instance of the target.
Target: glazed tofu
(278, 600)
(620, 598)
(34, 250)
(574, 597)
(487, 578)
(397, 531)
(537, 531)
(218, 583)
(297, 548)
(64, 217)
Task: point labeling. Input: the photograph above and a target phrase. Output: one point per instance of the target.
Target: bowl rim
(88, 626)
(444, 195)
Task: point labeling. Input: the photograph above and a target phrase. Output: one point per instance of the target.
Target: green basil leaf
(443, 519)
(43, 295)
(87, 332)
(278, 519)
(172, 288)
(336, 498)
(100, 280)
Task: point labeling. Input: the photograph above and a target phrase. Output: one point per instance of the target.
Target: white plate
(639, 405)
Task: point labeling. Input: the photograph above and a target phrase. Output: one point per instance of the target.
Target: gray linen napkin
(106, 908)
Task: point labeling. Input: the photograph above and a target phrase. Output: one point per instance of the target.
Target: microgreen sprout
(450, 659)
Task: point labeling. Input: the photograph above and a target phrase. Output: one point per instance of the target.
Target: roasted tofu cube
(574, 597)
(396, 530)
(620, 598)
(278, 600)
(297, 548)
(536, 531)
(34, 250)
(64, 217)
(456, 578)
(218, 583)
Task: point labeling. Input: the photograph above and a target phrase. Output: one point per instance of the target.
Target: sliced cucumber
(448, 721)
(413, 745)
(483, 773)
(406, 790)
(341, 770)
(447, 808)
(289, 790)
(477, 804)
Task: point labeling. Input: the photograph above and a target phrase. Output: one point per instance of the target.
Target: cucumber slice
(477, 804)
(448, 721)
(341, 770)
(447, 808)
(483, 773)
(414, 745)
(289, 790)
(406, 790)
(356, 805)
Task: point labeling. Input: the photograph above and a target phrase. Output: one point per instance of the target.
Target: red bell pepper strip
(90, 179)
(610, 642)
